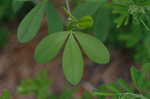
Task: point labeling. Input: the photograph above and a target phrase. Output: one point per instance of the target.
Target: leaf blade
(103, 23)
(93, 48)
(86, 9)
(135, 74)
(55, 24)
(72, 62)
(30, 25)
(49, 47)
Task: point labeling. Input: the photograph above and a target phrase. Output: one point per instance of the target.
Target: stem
(68, 6)
(70, 15)
(148, 29)
(68, 11)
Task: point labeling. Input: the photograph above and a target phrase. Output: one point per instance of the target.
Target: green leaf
(124, 85)
(42, 96)
(72, 61)
(134, 75)
(4, 35)
(145, 70)
(86, 9)
(37, 85)
(27, 86)
(30, 25)
(93, 48)
(120, 20)
(49, 47)
(144, 74)
(55, 24)
(87, 95)
(103, 23)
(17, 5)
(66, 94)
(112, 87)
(104, 93)
(147, 43)
(6, 94)
(85, 22)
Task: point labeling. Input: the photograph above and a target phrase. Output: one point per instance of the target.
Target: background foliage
(122, 25)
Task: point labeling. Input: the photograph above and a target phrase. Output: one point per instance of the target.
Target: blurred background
(17, 63)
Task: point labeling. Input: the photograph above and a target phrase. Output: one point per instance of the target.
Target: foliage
(119, 23)
(139, 87)
(5, 9)
(5, 94)
(6, 14)
(135, 9)
(72, 58)
(131, 17)
(49, 47)
(53, 17)
(80, 20)
(4, 34)
(40, 87)
(9, 11)
(31, 23)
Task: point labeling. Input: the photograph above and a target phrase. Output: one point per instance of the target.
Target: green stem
(148, 29)
(70, 15)
(68, 6)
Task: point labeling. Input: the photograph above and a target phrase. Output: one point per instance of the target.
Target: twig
(68, 6)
